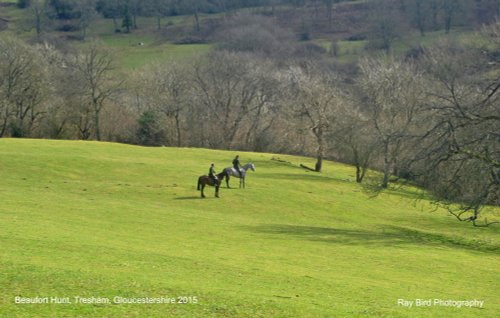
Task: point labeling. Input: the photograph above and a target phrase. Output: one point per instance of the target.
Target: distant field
(104, 220)
(350, 51)
(132, 55)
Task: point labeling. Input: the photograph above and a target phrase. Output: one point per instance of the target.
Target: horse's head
(252, 166)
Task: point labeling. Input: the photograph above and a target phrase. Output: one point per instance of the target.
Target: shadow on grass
(278, 162)
(189, 198)
(408, 193)
(387, 236)
(308, 176)
(232, 187)
(372, 188)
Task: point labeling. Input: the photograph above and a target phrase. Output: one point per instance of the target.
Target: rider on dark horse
(212, 173)
(236, 165)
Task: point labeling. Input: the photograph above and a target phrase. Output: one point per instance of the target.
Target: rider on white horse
(236, 165)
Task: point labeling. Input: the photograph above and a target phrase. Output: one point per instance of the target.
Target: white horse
(230, 171)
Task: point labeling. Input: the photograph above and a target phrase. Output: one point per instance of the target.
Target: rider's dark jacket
(236, 164)
(211, 172)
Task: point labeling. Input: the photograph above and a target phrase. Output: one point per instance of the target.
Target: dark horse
(206, 180)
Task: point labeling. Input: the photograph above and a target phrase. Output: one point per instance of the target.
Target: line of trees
(430, 117)
(381, 21)
(124, 11)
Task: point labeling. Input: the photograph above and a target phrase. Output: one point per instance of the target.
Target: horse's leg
(217, 190)
(202, 187)
(227, 180)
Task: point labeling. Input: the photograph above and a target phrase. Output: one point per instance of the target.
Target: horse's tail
(199, 183)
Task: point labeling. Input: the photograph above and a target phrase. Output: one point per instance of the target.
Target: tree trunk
(360, 169)
(385, 181)
(329, 8)
(387, 166)
(5, 122)
(178, 128)
(318, 132)
(232, 131)
(4, 127)
(359, 178)
(97, 129)
(84, 128)
(447, 24)
(38, 26)
(319, 164)
(364, 167)
(223, 7)
(420, 18)
(197, 20)
(84, 32)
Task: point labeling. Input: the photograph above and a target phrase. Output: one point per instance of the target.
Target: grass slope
(105, 220)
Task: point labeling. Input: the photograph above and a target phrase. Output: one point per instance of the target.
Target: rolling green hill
(103, 220)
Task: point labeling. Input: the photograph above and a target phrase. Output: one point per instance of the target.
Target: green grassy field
(132, 56)
(125, 46)
(352, 51)
(103, 220)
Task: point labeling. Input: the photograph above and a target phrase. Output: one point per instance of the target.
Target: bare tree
(164, 88)
(93, 75)
(87, 15)
(23, 85)
(158, 8)
(318, 100)
(419, 12)
(451, 8)
(385, 25)
(228, 87)
(58, 112)
(194, 7)
(256, 34)
(354, 138)
(393, 95)
(113, 9)
(36, 16)
(269, 106)
(460, 160)
(329, 10)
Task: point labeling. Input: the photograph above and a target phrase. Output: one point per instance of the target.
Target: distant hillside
(343, 28)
